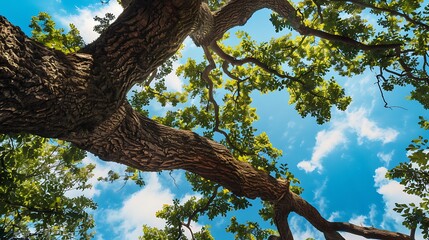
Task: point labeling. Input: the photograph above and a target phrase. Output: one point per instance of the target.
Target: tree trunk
(81, 98)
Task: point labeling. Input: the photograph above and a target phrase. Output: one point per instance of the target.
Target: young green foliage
(36, 173)
(35, 176)
(220, 105)
(45, 32)
(414, 175)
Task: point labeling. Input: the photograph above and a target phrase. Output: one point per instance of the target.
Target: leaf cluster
(45, 32)
(35, 176)
(414, 176)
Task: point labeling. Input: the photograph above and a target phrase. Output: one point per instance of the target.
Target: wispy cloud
(321, 201)
(326, 142)
(386, 157)
(301, 229)
(84, 18)
(373, 214)
(365, 128)
(359, 220)
(335, 215)
(139, 209)
(356, 122)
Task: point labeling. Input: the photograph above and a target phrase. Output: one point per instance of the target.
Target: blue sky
(341, 164)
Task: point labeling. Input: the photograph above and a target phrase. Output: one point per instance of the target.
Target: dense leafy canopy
(338, 38)
(35, 175)
(216, 100)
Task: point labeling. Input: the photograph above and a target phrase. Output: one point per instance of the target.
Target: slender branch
(205, 207)
(304, 30)
(380, 77)
(32, 208)
(230, 59)
(190, 230)
(206, 77)
(413, 232)
(286, 10)
(319, 10)
(234, 61)
(200, 210)
(391, 11)
(408, 72)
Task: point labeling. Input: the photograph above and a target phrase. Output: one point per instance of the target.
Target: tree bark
(81, 98)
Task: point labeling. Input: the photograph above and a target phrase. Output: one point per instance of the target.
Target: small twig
(200, 210)
(381, 77)
(174, 180)
(407, 69)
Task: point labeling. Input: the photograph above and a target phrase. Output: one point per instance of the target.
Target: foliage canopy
(216, 100)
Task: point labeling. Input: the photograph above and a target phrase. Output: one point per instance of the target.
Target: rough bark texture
(81, 98)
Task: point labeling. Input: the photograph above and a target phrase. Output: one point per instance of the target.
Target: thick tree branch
(331, 229)
(237, 12)
(139, 142)
(38, 86)
(81, 98)
(141, 39)
(67, 89)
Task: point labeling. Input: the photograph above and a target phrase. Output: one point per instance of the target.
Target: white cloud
(356, 122)
(139, 209)
(392, 192)
(367, 129)
(84, 19)
(386, 157)
(321, 201)
(359, 220)
(326, 142)
(101, 170)
(301, 229)
(309, 166)
(334, 215)
(172, 81)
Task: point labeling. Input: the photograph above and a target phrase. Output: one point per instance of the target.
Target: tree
(81, 97)
(33, 203)
(36, 173)
(414, 176)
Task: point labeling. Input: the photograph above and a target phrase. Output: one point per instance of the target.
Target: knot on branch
(202, 26)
